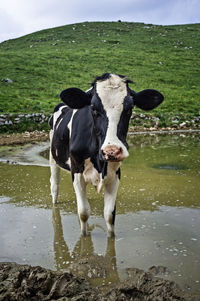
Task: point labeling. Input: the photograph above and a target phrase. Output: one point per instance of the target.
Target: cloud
(21, 17)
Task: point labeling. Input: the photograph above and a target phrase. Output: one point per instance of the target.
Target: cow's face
(112, 106)
(111, 102)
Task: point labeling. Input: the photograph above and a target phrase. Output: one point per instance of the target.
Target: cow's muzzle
(113, 153)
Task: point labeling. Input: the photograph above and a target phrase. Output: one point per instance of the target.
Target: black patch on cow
(62, 123)
(113, 215)
(122, 128)
(106, 76)
(101, 78)
(118, 173)
(83, 141)
(77, 166)
(60, 141)
(58, 106)
(100, 119)
(104, 169)
(51, 122)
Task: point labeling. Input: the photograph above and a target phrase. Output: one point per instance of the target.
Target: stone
(182, 124)
(7, 80)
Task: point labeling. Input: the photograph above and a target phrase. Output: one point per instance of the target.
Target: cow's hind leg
(54, 179)
(82, 202)
(110, 195)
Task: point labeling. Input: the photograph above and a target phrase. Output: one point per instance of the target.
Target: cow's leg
(54, 179)
(82, 202)
(110, 195)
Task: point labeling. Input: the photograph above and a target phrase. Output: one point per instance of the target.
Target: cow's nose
(113, 153)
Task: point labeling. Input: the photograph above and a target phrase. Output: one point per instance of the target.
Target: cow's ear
(75, 98)
(147, 99)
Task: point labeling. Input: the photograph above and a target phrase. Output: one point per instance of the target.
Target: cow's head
(111, 102)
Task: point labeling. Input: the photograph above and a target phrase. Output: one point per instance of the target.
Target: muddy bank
(35, 136)
(22, 138)
(23, 282)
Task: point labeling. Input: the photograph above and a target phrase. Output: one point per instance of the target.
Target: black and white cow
(88, 137)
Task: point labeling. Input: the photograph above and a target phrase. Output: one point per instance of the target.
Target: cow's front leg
(110, 194)
(82, 202)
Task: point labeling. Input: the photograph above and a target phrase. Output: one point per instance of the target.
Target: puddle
(157, 223)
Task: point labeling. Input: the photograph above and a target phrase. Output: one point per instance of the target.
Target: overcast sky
(20, 17)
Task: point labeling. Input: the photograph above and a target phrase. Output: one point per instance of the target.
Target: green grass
(44, 63)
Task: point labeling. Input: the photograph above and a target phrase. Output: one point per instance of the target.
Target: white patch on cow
(68, 162)
(55, 177)
(57, 114)
(110, 194)
(82, 202)
(70, 123)
(112, 92)
(92, 176)
(58, 123)
(51, 136)
(112, 168)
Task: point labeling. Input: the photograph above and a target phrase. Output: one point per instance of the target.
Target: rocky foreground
(26, 283)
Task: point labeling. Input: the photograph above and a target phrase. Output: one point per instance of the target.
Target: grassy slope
(160, 57)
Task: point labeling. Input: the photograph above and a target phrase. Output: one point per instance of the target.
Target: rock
(8, 122)
(175, 121)
(7, 80)
(152, 129)
(2, 120)
(182, 124)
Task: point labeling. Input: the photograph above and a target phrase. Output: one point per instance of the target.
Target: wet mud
(23, 282)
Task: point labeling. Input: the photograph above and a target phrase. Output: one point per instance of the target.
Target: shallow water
(157, 223)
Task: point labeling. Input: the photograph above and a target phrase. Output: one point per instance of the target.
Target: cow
(88, 138)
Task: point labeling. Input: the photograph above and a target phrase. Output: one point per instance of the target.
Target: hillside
(45, 62)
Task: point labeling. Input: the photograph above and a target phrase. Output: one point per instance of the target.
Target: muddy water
(157, 223)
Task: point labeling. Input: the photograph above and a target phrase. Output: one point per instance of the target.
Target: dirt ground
(22, 138)
(27, 137)
(26, 283)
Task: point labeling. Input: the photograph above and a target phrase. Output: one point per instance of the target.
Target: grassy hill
(45, 62)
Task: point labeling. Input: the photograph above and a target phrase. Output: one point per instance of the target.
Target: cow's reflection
(83, 260)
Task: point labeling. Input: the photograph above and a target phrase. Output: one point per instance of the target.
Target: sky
(20, 17)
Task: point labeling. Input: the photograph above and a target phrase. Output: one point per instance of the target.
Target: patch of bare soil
(23, 283)
(22, 138)
(27, 137)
